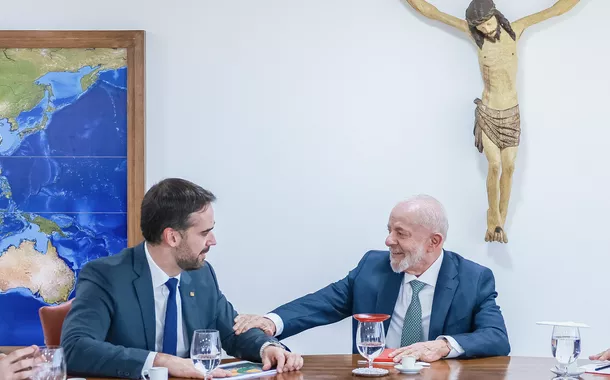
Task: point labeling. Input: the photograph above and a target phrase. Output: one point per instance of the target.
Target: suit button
(127, 374)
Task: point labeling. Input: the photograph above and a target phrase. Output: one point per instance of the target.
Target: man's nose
(212, 240)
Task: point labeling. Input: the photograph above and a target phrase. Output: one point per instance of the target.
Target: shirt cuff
(277, 321)
(267, 344)
(456, 349)
(148, 364)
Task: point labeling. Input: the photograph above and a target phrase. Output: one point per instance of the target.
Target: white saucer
(413, 370)
(579, 371)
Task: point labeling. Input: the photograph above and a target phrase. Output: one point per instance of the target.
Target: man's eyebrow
(210, 229)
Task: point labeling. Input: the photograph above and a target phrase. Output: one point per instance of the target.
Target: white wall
(310, 119)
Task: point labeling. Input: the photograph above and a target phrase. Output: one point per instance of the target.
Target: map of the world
(63, 176)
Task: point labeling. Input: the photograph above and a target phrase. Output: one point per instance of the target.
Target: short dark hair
(169, 203)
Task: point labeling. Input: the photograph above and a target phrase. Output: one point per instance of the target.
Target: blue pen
(602, 367)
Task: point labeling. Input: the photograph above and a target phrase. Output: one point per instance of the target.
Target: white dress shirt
(161, 294)
(426, 296)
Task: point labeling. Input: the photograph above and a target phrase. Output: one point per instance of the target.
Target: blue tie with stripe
(170, 329)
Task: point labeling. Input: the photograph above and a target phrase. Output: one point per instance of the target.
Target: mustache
(493, 35)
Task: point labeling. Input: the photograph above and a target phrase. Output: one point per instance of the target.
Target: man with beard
(497, 128)
(138, 309)
(441, 305)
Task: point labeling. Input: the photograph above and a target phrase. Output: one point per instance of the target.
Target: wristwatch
(448, 345)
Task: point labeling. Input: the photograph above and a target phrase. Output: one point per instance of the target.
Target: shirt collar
(159, 277)
(430, 276)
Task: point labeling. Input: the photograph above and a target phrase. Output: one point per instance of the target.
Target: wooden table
(338, 367)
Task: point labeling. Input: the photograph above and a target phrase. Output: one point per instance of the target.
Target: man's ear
(436, 241)
(171, 237)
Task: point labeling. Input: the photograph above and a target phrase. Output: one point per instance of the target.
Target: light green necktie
(411, 327)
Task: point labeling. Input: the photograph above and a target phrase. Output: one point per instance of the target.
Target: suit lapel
(144, 291)
(387, 295)
(446, 286)
(189, 305)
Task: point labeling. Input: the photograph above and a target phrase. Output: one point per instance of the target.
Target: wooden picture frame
(133, 41)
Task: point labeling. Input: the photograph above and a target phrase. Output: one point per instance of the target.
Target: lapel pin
(192, 294)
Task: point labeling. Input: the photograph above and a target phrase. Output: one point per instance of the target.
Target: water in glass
(565, 346)
(206, 351)
(50, 364)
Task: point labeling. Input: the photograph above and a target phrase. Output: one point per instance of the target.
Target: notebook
(385, 356)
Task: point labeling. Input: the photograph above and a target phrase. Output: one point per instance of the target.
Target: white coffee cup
(155, 373)
(408, 362)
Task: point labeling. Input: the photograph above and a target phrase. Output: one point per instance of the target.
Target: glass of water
(370, 339)
(50, 364)
(565, 344)
(206, 351)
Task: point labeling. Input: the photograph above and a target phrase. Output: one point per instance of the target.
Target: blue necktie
(170, 329)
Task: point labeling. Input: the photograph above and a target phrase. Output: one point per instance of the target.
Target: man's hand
(283, 360)
(245, 322)
(424, 351)
(184, 368)
(601, 356)
(18, 364)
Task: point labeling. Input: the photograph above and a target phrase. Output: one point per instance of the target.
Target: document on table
(590, 368)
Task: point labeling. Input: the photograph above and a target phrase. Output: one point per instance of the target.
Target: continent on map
(63, 176)
(20, 69)
(42, 273)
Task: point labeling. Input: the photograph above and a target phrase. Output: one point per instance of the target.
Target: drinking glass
(565, 345)
(370, 339)
(50, 364)
(206, 351)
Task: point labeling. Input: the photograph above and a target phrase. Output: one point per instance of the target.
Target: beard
(493, 36)
(411, 259)
(187, 260)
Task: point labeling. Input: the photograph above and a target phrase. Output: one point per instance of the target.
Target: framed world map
(71, 164)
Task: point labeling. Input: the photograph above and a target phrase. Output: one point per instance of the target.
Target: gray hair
(430, 213)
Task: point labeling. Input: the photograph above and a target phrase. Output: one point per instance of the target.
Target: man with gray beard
(441, 304)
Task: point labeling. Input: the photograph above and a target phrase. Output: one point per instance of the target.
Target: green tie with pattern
(411, 327)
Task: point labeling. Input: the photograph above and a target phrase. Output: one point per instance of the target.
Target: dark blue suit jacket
(110, 329)
(464, 305)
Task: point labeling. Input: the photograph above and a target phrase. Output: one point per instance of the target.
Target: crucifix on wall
(497, 128)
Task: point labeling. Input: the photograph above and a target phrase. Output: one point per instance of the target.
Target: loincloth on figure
(503, 127)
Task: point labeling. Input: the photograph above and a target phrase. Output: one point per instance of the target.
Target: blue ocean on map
(66, 86)
(11, 138)
(71, 173)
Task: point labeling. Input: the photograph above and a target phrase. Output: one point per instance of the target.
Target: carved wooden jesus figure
(497, 124)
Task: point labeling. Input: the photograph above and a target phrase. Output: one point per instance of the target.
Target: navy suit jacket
(464, 305)
(110, 329)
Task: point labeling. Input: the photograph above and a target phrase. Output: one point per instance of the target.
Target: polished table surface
(329, 367)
